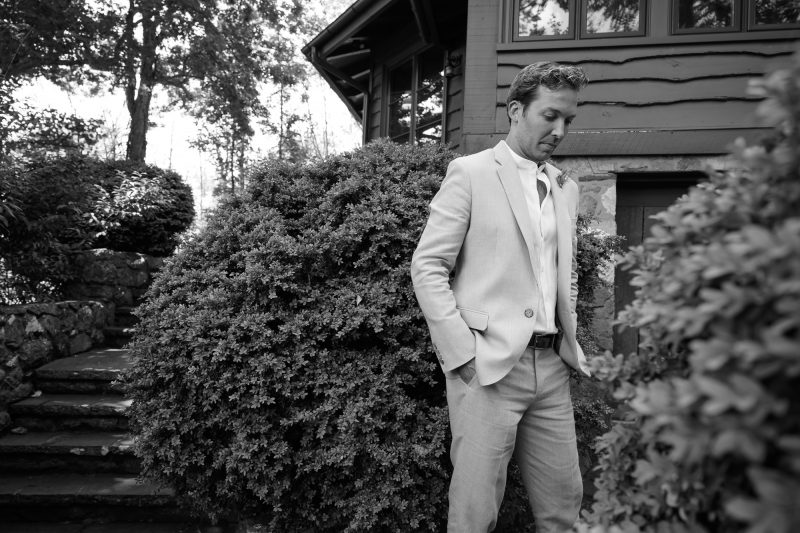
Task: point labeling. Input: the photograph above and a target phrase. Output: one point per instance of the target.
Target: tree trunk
(139, 106)
(137, 137)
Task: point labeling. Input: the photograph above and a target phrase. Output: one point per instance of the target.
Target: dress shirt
(543, 220)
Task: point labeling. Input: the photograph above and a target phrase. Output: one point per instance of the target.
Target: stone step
(56, 412)
(93, 371)
(118, 336)
(106, 527)
(124, 317)
(103, 497)
(73, 451)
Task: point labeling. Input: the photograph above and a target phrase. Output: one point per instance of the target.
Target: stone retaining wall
(35, 334)
(108, 275)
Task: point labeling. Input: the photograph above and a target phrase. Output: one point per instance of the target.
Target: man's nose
(559, 129)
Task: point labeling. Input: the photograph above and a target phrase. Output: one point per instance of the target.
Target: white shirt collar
(525, 164)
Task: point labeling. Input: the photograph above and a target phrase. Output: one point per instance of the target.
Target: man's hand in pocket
(467, 371)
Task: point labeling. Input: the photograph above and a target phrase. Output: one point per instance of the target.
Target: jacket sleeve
(434, 260)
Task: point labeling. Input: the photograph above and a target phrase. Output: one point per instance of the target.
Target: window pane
(400, 102)
(429, 97)
(777, 12)
(705, 14)
(543, 17)
(603, 16)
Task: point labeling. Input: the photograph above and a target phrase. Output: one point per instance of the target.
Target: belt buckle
(542, 342)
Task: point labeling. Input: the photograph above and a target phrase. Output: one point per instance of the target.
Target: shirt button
(528, 313)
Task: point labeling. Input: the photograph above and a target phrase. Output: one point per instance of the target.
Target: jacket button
(528, 312)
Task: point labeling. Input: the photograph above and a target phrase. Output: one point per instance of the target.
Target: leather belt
(543, 341)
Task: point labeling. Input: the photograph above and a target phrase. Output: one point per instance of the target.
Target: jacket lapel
(512, 185)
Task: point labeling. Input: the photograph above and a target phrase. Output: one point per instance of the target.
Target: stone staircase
(71, 468)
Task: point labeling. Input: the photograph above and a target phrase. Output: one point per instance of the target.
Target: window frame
(584, 34)
(415, 72)
(736, 27)
(652, 33)
(578, 22)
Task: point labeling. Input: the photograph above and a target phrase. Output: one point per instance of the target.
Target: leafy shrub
(142, 208)
(716, 444)
(53, 207)
(48, 220)
(283, 368)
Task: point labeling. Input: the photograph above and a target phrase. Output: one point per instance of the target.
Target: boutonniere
(561, 179)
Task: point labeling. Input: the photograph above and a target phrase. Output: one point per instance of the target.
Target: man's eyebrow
(558, 112)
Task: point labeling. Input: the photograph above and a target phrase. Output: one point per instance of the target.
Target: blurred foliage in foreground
(713, 443)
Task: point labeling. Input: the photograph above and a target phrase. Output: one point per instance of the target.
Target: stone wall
(108, 275)
(35, 334)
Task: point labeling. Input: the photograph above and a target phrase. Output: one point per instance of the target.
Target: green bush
(53, 207)
(283, 368)
(715, 443)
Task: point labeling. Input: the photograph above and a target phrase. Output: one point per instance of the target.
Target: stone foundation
(34, 334)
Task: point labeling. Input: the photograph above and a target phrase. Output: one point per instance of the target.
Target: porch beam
(425, 22)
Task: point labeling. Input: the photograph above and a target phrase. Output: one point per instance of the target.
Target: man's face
(538, 129)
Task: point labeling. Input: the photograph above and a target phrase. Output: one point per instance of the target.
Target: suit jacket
(480, 231)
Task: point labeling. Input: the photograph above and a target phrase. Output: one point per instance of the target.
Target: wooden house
(668, 89)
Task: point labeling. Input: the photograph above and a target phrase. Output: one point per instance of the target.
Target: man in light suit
(494, 273)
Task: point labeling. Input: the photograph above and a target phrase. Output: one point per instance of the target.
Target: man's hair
(524, 89)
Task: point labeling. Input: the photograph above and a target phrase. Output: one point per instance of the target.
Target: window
(555, 19)
(416, 99)
(545, 19)
(612, 19)
(708, 16)
(703, 16)
(769, 14)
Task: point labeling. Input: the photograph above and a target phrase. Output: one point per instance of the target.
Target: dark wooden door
(639, 197)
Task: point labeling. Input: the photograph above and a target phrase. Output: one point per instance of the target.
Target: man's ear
(514, 110)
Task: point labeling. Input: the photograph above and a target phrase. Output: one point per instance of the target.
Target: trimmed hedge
(715, 443)
(77, 203)
(283, 368)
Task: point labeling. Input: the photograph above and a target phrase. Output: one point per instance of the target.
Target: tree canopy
(210, 54)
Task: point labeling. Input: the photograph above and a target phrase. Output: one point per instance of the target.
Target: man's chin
(548, 148)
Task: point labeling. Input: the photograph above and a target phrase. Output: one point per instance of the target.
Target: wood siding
(454, 107)
(656, 97)
(693, 89)
(480, 82)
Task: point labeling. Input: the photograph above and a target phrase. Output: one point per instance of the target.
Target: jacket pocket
(477, 320)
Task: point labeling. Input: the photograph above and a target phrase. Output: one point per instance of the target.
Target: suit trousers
(527, 414)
